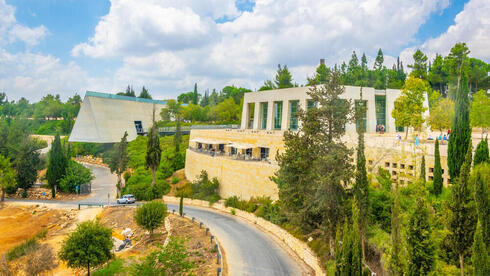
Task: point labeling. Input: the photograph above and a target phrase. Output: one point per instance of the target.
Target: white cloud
(11, 31)
(472, 25)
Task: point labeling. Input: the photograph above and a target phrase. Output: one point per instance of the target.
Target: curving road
(248, 250)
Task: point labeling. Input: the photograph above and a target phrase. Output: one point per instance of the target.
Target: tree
(150, 215)
(409, 106)
(351, 256)
(441, 115)
(421, 248)
(396, 263)
(195, 95)
(144, 94)
(361, 185)
(185, 97)
(119, 160)
(437, 76)
(321, 74)
(57, 165)
(173, 111)
(477, 74)
(480, 111)
(7, 175)
(181, 204)
(480, 257)
(76, 175)
(172, 259)
(27, 162)
(90, 245)
(462, 217)
(283, 77)
(438, 181)
(153, 152)
(419, 66)
(460, 130)
(378, 62)
(480, 180)
(422, 169)
(268, 85)
(481, 152)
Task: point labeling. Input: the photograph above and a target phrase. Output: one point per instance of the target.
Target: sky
(71, 46)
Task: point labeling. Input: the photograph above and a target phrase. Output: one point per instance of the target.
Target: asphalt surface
(248, 250)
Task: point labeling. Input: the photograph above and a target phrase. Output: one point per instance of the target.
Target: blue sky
(239, 43)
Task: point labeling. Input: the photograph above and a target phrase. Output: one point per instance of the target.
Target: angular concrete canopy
(103, 118)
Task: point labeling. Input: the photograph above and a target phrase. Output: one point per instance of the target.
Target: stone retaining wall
(302, 250)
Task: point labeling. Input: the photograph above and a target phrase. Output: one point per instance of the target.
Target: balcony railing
(238, 156)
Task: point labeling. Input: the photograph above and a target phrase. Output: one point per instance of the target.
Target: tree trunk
(406, 133)
(3, 194)
(363, 245)
(153, 176)
(118, 185)
(88, 269)
(461, 264)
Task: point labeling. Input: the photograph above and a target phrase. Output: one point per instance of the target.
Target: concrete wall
(300, 93)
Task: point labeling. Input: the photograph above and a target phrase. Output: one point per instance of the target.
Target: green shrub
(126, 176)
(175, 180)
(76, 175)
(112, 268)
(206, 189)
(139, 184)
(28, 246)
(151, 215)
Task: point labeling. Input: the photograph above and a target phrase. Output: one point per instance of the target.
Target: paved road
(249, 251)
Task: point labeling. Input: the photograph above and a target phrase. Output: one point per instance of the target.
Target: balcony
(230, 155)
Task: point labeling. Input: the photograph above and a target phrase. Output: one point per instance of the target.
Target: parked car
(126, 199)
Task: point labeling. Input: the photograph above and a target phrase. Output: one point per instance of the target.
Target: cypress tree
(422, 169)
(351, 255)
(421, 249)
(460, 130)
(195, 95)
(481, 152)
(462, 217)
(181, 204)
(396, 265)
(480, 181)
(57, 165)
(153, 153)
(361, 186)
(480, 258)
(437, 170)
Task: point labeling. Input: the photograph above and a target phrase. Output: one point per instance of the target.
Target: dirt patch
(175, 188)
(19, 223)
(198, 244)
(37, 193)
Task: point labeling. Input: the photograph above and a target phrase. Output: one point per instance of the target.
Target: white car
(126, 199)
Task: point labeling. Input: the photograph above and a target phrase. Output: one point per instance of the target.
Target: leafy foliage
(480, 257)
(441, 115)
(438, 181)
(480, 180)
(88, 246)
(76, 175)
(481, 152)
(150, 215)
(57, 164)
(27, 162)
(205, 188)
(480, 110)
(153, 152)
(7, 175)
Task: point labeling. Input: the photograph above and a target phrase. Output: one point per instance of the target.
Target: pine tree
(283, 77)
(481, 180)
(378, 62)
(57, 165)
(462, 213)
(419, 66)
(422, 169)
(421, 249)
(144, 94)
(481, 152)
(351, 256)
(361, 186)
(480, 257)
(460, 131)
(438, 181)
(195, 95)
(396, 264)
(27, 163)
(153, 153)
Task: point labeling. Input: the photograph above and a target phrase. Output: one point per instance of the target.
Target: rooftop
(124, 98)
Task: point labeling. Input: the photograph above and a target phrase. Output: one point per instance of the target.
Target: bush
(151, 215)
(76, 175)
(172, 259)
(112, 268)
(261, 206)
(175, 180)
(206, 189)
(28, 246)
(139, 184)
(43, 259)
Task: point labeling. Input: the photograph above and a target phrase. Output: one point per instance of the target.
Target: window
(431, 170)
(199, 145)
(363, 119)
(248, 152)
(263, 115)
(393, 172)
(251, 110)
(139, 127)
(221, 147)
(394, 165)
(402, 166)
(370, 162)
(387, 164)
(293, 119)
(311, 104)
(233, 150)
(264, 153)
(380, 102)
(277, 115)
(442, 170)
(431, 178)
(410, 167)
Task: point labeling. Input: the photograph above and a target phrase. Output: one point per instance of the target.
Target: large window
(263, 115)
(277, 115)
(380, 102)
(251, 110)
(264, 153)
(293, 118)
(363, 118)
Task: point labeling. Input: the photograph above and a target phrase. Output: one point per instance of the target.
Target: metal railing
(189, 128)
(238, 156)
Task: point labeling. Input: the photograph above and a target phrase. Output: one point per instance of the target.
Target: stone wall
(301, 249)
